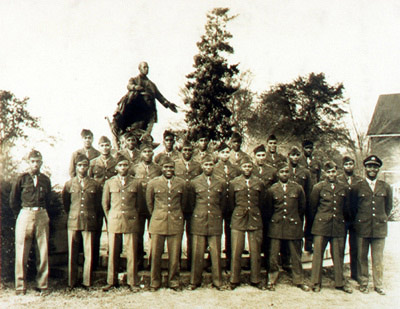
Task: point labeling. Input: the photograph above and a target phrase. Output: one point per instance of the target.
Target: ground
(285, 296)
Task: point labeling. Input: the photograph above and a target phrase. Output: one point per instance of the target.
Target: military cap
(120, 157)
(372, 159)
(272, 137)
(294, 150)
(146, 145)
(282, 164)
(307, 143)
(223, 146)
(187, 143)
(236, 137)
(259, 148)
(166, 160)
(86, 132)
(329, 165)
(347, 159)
(246, 159)
(168, 133)
(80, 158)
(104, 139)
(207, 158)
(34, 154)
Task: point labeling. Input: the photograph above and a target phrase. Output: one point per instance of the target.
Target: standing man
(349, 178)
(130, 150)
(285, 210)
(169, 142)
(207, 199)
(202, 147)
(371, 200)
(329, 204)
(272, 156)
(121, 198)
(166, 198)
(87, 150)
(236, 154)
(29, 200)
(246, 199)
(309, 161)
(82, 202)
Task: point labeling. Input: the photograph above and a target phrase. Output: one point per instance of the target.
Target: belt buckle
(36, 208)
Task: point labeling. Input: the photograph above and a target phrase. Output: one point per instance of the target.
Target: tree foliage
(211, 85)
(307, 108)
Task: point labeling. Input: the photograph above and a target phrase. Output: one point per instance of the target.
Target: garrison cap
(34, 154)
(246, 159)
(294, 150)
(347, 159)
(329, 165)
(282, 164)
(259, 148)
(372, 159)
(207, 158)
(223, 146)
(272, 137)
(168, 133)
(120, 158)
(104, 139)
(80, 158)
(307, 143)
(166, 160)
(236, 137)
(86, 132)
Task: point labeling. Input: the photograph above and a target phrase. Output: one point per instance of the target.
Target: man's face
(236, 145)
(272, 145)
(260, 157)
(208, 168)
(105, 148)
(169, 142)
(122, 167)
(168, 170)
(131, 143)
(147, 154)
(247, 169)
(348, 167)
(203, 143)
(331, 174)
(283, 174)
(35, 164)
(82, 168)
(187, 153)
(294, 158)
(87, 141)
(308, 150)
(372, 171)
(224, 154)
(144, 68)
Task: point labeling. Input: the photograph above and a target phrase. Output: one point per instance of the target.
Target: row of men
(264, 201)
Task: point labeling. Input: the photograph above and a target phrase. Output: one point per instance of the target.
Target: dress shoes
(232, 286)
(380, 291)
(20, 292)
(258, 285)
(345, 289)
(316, 288)
(364, 289)
(270, 287)
(304, 287)
(109, 287)
(192, 287)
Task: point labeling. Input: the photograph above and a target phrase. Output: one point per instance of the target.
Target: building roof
(386, 117)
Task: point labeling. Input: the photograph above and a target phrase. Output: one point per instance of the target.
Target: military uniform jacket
(266, 173)
(246, 203)
(82, 204)
(25, 194)
(199, 155)
(314, 166)
(120, 204)
(273, 161)
(187, 170)
(330, 209)
(166, 205)
(208, 204)
(285, 211)
(236, 157)
(371, 209)
(101, 170)
(302, 176)
(354, 179)
(174, 155)
(90, 154)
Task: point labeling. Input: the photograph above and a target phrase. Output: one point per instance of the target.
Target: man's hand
(172, 107)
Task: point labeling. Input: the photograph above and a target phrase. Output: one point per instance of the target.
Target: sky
(73, 59)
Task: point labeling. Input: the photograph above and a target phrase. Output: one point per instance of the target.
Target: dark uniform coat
(345, 180)
(82, 204)
(302, 176)
(330, 209)
(199, 155)
(236, 157)
(246, 203)
(371, 209)
(101, 171)
(273, 161)
(187, 170)
(121, 203)
(166, 205)
(266, 173)
(285, 211)
(208, 203)
(314, 165)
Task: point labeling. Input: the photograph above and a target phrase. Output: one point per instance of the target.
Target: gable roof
(386, 117)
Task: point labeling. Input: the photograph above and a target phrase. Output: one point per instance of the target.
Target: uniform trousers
(337, 250)
(32, 224)
(142, 226)
(74, 240)
(114, 247)
(96, 240)
(352, 236)
(199, 246)
(188, 218)
(294, 247)
(255, 241)
(228, 238)
(377, 245)
(174, 249)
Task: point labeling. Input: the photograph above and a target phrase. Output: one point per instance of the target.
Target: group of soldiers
(283, 204)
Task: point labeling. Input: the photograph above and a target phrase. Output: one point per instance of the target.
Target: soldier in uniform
(246, 199)
(187, 169)
(286, 204)
(236, 154)
(169, 142)
(225, 170)
(101, 169)
(207, 199)
(202, 147)
(82, 202)
(87, 150)
(29, 201)
(349, 178)
(145, 171)
(309, 161)
(121, 198)
(130, 150)
(166, 198)
(372, 201)
(329, 204)
(272, 156)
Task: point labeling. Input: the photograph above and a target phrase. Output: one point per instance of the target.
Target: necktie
(237, 155)
(284, 186)
(294, 171)
(273, 156)
(123, 181)
(247, 182)
(261, 170)
(35, 180)
(333, 186)
(187, 166)
(81, 182)
(226, 169)
(169, 184)
(146, 167)
(208, 181)
(349, 180)
(168, 154)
